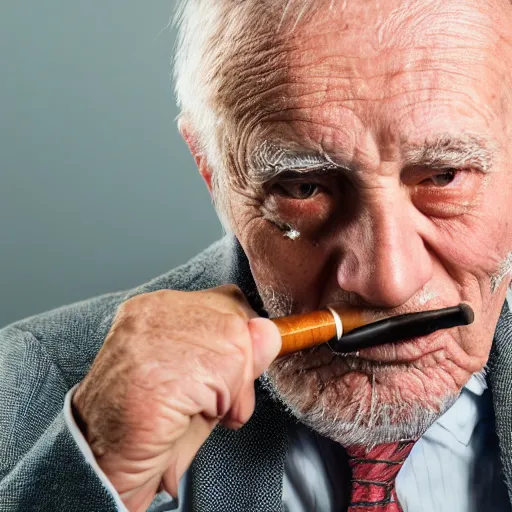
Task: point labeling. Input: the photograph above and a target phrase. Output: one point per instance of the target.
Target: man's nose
(385, 260)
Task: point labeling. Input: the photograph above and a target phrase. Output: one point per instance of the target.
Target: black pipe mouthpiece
(403, 327)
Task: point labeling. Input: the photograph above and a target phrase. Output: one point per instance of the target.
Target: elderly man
(358, 152)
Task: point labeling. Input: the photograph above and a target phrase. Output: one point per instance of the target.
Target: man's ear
(195, 148)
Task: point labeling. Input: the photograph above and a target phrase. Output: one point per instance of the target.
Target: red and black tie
(373, 476)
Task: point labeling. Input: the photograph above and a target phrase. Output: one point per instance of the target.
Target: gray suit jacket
(41, 358)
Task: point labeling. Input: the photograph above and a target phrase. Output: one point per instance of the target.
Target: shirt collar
(470, 408)
(477, 384)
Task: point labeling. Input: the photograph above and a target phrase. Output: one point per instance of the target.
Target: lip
(402, 352)
(406, 351)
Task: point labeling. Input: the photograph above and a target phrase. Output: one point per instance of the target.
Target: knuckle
(245, 415)
(124, 320)
(235, 329)
(229, 289)
(146, 375)
(141, 309)
(131, 308)
(243, 409)
(144, 300)
(161, 294)
(232, 291)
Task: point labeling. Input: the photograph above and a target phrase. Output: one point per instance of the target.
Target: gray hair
(211, 33)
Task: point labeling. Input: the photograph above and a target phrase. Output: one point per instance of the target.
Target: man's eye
(299, 190)
(442, 179)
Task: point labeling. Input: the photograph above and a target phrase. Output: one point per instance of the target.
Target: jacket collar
(500, 381)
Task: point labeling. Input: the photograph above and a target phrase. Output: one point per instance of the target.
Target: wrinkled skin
(363, 86)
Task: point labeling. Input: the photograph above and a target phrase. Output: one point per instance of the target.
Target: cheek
(471, 251)
(294, 267)
(473, 246)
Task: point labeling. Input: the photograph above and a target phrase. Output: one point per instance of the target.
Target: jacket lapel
(500, 380)
(242, 471)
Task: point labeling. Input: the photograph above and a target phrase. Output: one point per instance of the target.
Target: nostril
(388, 281)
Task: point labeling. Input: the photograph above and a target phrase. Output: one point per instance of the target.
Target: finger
(266, 343)
(243, 401)
(184, 452)
(243, 407)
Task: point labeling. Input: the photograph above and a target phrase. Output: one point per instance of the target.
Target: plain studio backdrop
(98, 192)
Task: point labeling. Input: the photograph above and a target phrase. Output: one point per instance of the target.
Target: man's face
(389, 154)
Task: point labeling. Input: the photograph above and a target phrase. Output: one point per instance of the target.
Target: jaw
(357, 401)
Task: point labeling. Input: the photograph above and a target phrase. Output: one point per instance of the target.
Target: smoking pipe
(347, 330)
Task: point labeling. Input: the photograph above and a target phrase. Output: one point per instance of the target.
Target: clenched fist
(173, 366)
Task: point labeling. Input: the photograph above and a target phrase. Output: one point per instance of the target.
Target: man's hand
(173, 366)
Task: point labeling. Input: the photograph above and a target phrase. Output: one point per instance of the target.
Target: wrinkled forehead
(379, 26)
(368, 38)
(373, 50)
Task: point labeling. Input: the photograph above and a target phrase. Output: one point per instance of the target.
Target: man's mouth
(408, 351)
(405, 351)
(388, 331)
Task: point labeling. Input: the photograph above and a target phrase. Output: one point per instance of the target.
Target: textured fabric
(373, 476)
(41, 468)
(86, 451)
(255, 455)
(42, 358)
(500, 379)
(53, 476)
(454, 467)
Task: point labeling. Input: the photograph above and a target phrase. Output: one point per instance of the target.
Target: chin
(360, 402)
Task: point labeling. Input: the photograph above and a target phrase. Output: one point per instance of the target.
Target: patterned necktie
(373, 476)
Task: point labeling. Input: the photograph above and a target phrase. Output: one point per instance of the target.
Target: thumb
(266, 343)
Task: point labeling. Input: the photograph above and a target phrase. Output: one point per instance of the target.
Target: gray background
(97, 191)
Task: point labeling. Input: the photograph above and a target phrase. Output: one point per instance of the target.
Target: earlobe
(205, 172)
(195, 149)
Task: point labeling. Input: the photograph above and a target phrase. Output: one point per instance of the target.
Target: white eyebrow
(269, 159)
(446, 151)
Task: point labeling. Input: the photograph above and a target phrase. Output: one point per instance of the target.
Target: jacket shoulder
(72, 335)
